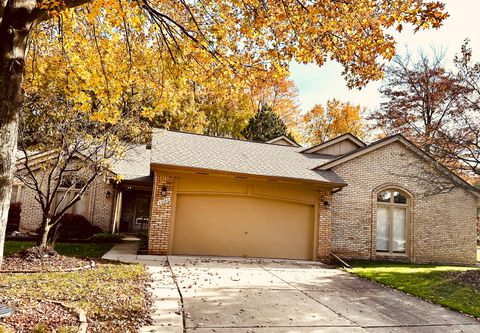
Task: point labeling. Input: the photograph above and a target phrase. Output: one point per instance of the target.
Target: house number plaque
(163, 202)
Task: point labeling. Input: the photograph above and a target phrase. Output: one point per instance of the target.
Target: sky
(317, 85)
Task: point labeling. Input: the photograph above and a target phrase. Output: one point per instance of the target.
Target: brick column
(161, 212)
(324, 226)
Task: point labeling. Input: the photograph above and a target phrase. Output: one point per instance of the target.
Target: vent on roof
(149, 146)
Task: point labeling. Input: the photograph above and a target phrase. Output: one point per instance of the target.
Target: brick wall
(324, 237)
(160, 215)
(101, 207)
(100, 211)
(441, 225)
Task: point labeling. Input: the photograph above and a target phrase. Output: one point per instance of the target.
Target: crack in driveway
(182, 305)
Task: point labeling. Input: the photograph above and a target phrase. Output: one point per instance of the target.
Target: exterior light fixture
(326, 204)
(164, 191)
(108, 194)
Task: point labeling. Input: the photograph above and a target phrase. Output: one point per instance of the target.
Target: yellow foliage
(164, 56)
(322, 124)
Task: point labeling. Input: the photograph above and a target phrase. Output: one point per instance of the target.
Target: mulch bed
(39, 316)
(41, 259)
(470, 277)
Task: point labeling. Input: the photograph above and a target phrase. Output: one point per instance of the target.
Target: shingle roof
(237, 156)
(135, 165)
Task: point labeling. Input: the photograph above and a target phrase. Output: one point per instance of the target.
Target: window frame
(70, 195)
(390, 205)
(19, 194)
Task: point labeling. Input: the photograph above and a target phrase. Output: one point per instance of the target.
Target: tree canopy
(421, 100)
(337, 118)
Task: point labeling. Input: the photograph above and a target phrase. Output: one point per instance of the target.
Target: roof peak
(346, 136)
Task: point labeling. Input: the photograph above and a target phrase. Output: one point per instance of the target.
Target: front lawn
(113, 295)
(444, 285)
(90, 250)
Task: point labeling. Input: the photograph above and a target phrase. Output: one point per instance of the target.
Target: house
(203, 195)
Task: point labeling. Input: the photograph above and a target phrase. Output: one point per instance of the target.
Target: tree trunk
(15, 25)
(43, 232)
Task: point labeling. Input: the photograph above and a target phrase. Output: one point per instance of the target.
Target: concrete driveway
(193, 294)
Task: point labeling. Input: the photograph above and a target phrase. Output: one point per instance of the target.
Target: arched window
(392, 208)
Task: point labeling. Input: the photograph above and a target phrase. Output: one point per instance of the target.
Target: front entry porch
(133, 209)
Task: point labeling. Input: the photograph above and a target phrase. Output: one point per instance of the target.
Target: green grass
(425, 281)
(91, 250)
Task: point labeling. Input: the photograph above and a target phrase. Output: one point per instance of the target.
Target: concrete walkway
(167, 304)
(195, 294)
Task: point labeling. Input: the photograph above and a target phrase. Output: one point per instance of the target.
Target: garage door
(242, 226)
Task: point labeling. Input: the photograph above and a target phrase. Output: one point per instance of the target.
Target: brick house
(202, 195)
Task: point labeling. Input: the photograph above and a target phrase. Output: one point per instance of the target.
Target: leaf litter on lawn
(115, 296)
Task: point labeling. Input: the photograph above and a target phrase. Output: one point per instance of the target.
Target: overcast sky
(317, 85)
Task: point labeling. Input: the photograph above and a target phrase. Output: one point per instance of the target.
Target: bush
(74, 226)
(143, 235)
(107, 237)
(13, 222)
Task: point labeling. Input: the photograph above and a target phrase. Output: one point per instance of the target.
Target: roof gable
(340, 145)
(282, 140)
(410, 145)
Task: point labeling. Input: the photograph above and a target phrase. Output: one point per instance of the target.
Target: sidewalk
(167, 306)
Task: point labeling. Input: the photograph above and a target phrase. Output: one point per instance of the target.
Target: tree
(85, 151)
(264, 125)
(322, 124)
(66, 147)
(237, 36)
(461, 140)
(421, 101)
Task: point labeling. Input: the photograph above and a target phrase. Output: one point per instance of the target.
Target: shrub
(14, 216)
(74, 226)
(143, 235)
(107, 237)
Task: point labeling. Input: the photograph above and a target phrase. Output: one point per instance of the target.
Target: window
(80, 207)
(392, 208)
(17, 194)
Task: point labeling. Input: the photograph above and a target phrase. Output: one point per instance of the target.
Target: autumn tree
(64, 153)
(461, 140)
(324, 123)
(421, 101)
(265, 125)
(223, 37)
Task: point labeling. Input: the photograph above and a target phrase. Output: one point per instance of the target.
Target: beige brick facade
(440, 227)
(324, 227)
(100, 208)
(160, 216)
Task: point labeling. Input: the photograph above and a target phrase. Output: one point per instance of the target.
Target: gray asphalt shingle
(135, 165)
(237, 156)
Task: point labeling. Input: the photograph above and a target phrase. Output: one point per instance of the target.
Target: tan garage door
(242, 226)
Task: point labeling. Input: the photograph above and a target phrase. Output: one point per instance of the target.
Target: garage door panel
(242, 226)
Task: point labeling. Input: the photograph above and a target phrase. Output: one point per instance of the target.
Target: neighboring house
(202, 195)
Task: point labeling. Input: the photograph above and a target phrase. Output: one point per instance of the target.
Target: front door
(142, 212)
